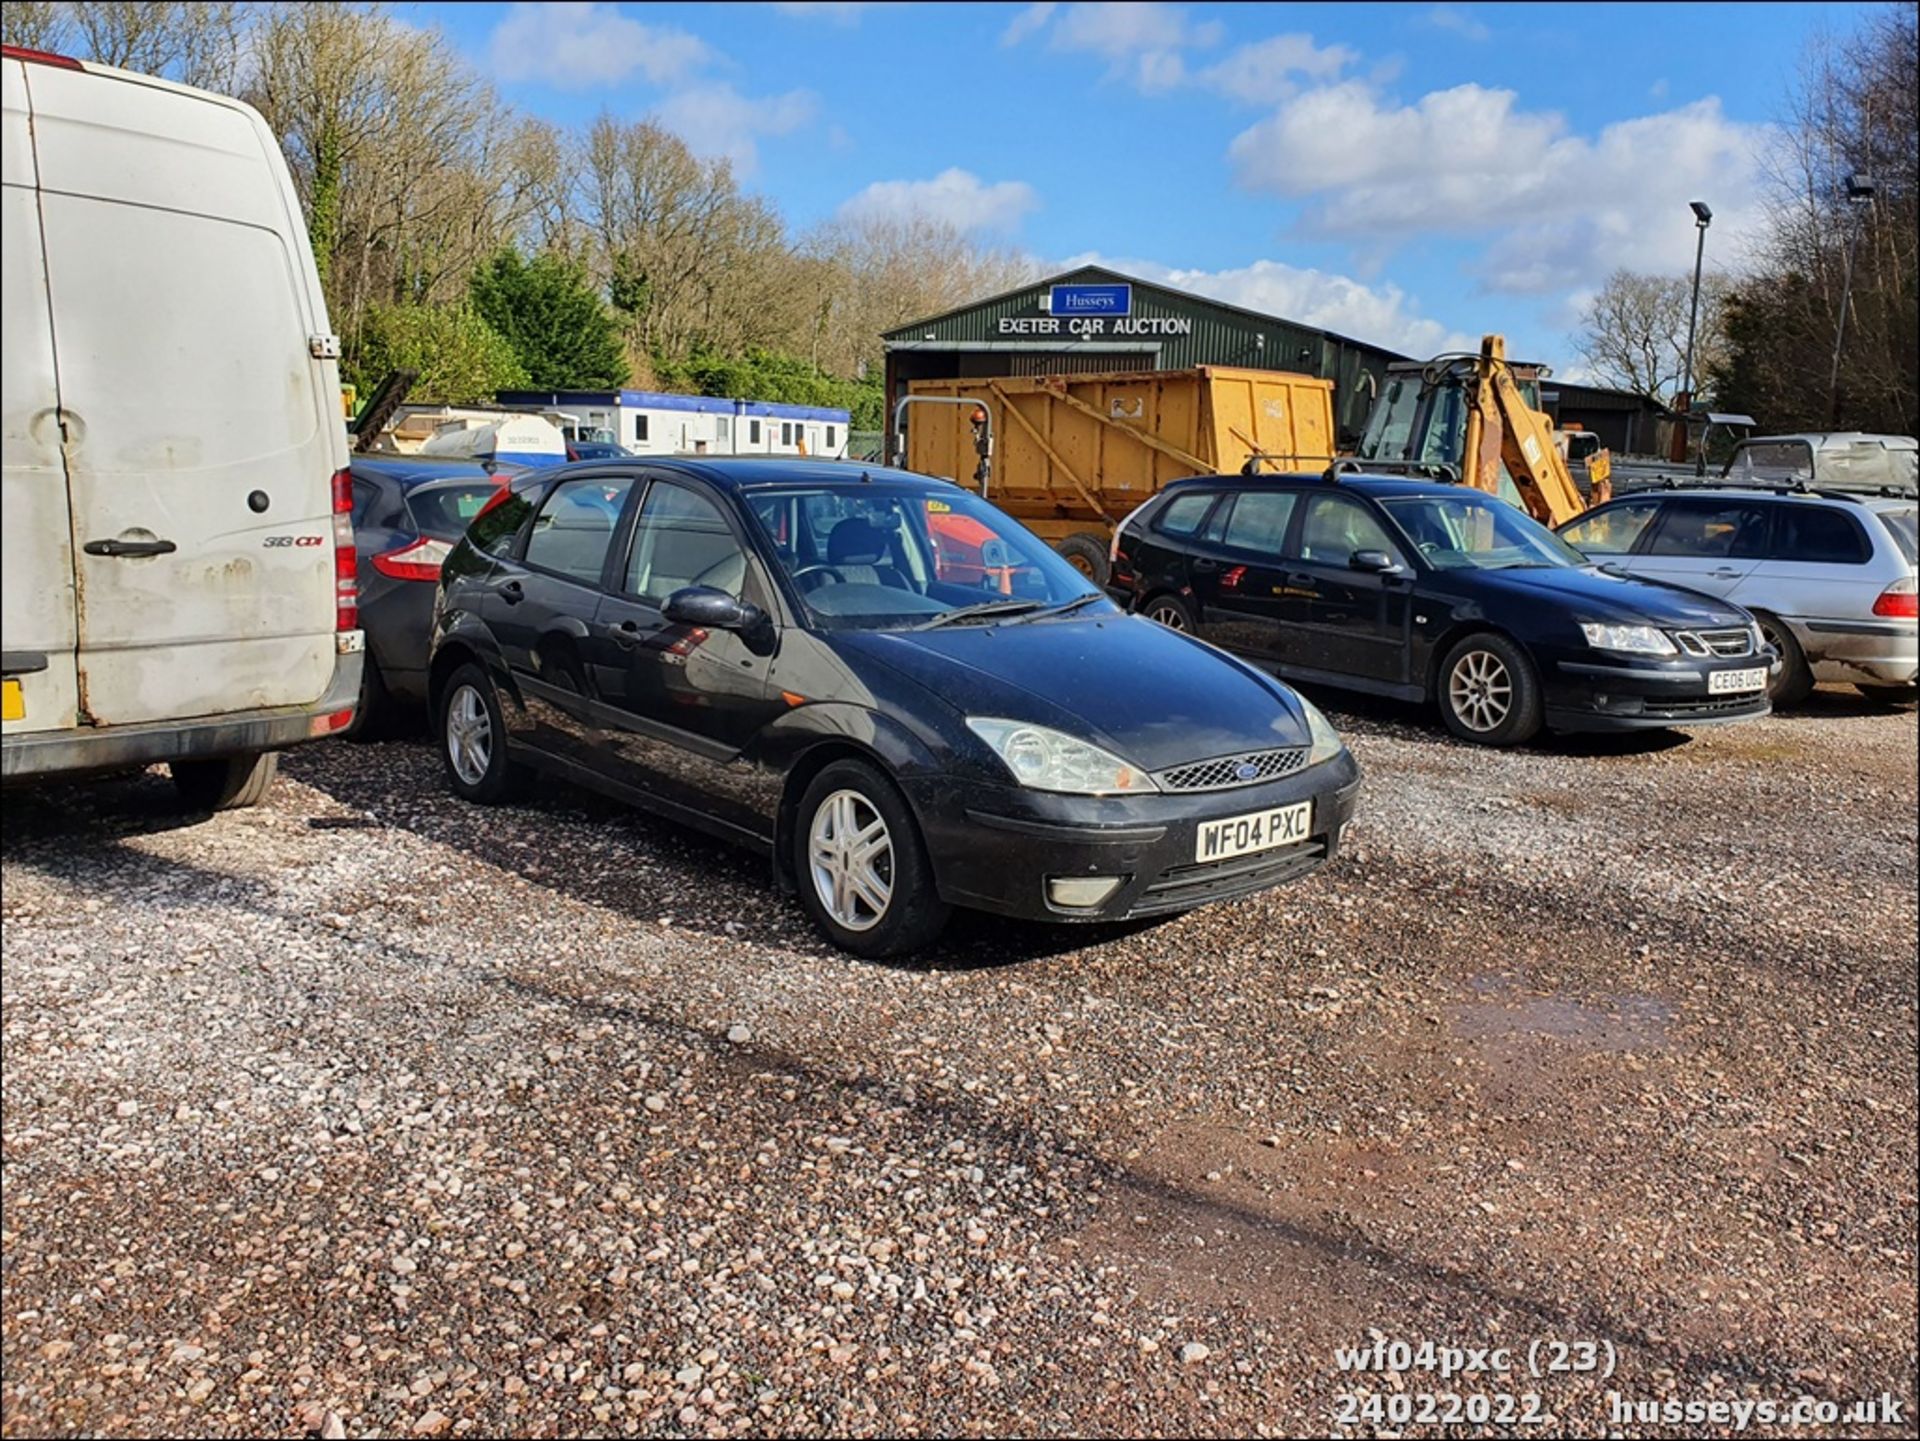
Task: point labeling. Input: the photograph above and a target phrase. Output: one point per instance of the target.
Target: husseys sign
(1089, 310)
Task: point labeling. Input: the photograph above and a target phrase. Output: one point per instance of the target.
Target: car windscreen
(887, 557)
(1900, 522)
(446, 508)
(1477, 532)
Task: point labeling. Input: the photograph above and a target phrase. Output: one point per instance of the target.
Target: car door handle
(129, 547)
(1726, 572)
(1301, 579)
(1201, 563)
(626, 634)
(511, 593)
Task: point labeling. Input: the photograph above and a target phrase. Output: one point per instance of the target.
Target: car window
(364, 496)
(1711, 529)
(682, 539)
(497, 527)
(447, 510)
(575, 526)
(1818, 535)
(1183, 514)
(1611, 531)
(1463, 529)
(1258, 520)
(1335, 527)
(1901, 525)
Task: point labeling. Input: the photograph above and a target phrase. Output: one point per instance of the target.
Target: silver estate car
(1828, 574)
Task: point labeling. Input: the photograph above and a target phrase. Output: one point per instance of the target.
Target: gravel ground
(370, 1112)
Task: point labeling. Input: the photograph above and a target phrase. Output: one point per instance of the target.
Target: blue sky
(1410, 174)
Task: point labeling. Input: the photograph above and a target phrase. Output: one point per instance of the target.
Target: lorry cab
(179, 563)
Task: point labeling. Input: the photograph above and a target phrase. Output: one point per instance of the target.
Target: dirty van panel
(36, 627)
(188, 389)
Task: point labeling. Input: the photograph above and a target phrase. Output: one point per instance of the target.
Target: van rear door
(36, 552)
(201, 432)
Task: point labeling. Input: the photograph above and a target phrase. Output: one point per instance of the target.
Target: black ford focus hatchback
(903, 697)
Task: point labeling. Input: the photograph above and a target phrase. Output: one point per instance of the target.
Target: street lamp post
(1702, 219)
(1860, 191)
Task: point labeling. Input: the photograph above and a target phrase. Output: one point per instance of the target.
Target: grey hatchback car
(1829, 575)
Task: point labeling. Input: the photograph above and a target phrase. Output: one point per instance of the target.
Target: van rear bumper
(40, 755)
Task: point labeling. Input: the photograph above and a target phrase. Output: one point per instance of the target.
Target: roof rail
(1254, 457)
(1421, 469)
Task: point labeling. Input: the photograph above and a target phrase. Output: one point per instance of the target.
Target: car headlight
(1046, 760)
(1326, 740)
(1638, 639)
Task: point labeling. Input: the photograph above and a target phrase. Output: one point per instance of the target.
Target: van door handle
(129, 547)
(511, 593)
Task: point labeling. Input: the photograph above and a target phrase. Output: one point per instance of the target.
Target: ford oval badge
(1246, 771)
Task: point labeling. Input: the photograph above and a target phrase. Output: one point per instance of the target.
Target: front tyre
(1488, 692)
(1794, 682)
(861, 867)
(231, 783)
(472, 735)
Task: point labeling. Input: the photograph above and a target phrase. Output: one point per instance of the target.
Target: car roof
(408, 471)
(1381, 486)
(1795, 493)
(744, 473)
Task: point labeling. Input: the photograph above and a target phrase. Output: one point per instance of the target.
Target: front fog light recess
(1079, 893)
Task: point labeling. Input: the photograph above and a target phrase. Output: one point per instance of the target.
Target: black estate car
(408, 513)
(904, 697)
(1435, 592)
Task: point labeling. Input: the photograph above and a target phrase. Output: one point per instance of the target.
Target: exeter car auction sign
(1089, 310)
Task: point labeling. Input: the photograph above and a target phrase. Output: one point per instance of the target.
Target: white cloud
(1445, 17)
(578, 46)
(1383, 315)
(1559, 208)
(1143, 42)
(717, 120)
(955, 197)
(1265, 71)
(840, 12)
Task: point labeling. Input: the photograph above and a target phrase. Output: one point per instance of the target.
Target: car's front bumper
(1597, 691)
(996, 848)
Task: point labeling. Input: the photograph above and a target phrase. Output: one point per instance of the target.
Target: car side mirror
(1377, 562)
(712, 609)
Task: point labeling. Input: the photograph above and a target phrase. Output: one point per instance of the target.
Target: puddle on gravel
(1617, 1023)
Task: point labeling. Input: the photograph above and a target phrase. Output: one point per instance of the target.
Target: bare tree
(1634, 336)
(198, 42)
(36, 25)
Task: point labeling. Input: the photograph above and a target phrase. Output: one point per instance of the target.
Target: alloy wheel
(1480, 690)
(469, 735)
(850, 855)
(1167, 615)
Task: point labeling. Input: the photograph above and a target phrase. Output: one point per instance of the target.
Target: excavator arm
(1501, 426)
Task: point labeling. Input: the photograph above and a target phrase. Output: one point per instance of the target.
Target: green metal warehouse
(1094, 319)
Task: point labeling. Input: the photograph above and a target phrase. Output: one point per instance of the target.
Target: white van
(178, 550)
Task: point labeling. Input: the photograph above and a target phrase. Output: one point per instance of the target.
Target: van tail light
(346, 568)
(420, 561)
(1901, 600)
(40, 57)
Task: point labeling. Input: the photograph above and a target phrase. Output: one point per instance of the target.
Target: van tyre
(1170, 611)
(1488, 692)
(231, 783)
(1794, 683)
(471, 733)
(861, 867)
(1087, 554)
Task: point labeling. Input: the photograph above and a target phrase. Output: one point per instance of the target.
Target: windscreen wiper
(1064, 607)
(980, 611)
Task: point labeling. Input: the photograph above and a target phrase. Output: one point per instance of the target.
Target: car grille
(1736, 640)
(1183, 887)
(1701, 706)
(1224, 773)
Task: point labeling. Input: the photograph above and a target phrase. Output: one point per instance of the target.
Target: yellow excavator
(1477, 415)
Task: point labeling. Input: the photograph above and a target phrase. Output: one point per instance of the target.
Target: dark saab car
(1435, 592)
(786, 654)
(408, 513)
